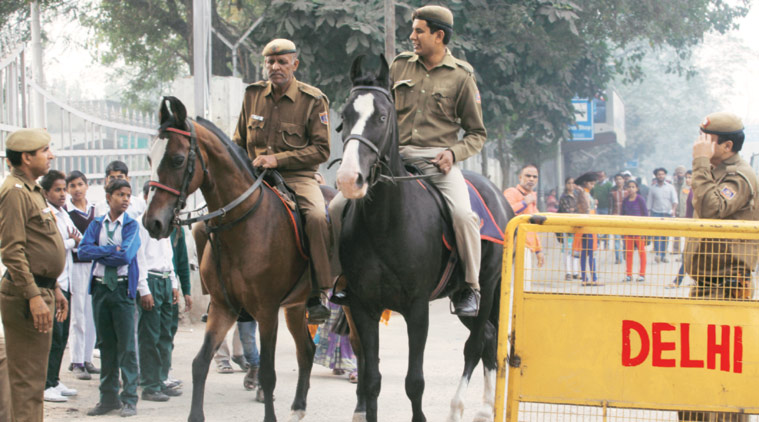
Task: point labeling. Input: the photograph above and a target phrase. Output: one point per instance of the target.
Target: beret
(439, 15)
(722, 123)
(27, 140)
(279, 46)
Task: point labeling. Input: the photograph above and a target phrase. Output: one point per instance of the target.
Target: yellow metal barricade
(641, 348)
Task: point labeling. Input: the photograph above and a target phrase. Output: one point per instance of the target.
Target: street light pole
(38, 100)
(389, 29)
(201, 29)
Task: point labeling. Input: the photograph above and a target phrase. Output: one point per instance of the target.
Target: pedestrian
(119, 170)
(568, 204)
(724, 187)
(688, 214)
(155, 313)
(112, 241)
(333, 346)
(436, 97)
(588, 241)
(82, 329)
(246, 327)
(284, 125)
(182, 270)
(634, 205)
(552, 202)
(616, 196)
(54, 188)
(662, 201)
(32, 251)
(523, 199)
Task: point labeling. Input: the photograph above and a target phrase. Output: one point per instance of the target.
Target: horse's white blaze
(349, 168)
(157, 151)
(457, 402)
(488, 398)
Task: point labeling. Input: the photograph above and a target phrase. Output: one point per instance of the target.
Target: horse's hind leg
(219, 321)
(417, 326)
(359, 413)
(304, 345)
(267, 325)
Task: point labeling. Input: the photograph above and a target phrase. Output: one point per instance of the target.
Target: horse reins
(375, 172)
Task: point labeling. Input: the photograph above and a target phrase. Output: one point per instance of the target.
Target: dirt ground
(331, 398)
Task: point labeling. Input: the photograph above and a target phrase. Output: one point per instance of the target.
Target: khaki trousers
(5, 388)
(314, 211)
(466, 224)
(27, 350)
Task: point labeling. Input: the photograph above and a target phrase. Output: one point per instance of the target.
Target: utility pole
(38, 101)
(201, 53)
(389, 30)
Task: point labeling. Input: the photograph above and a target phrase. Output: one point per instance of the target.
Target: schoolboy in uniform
(112, 241)
(54, 188)
(119, 170)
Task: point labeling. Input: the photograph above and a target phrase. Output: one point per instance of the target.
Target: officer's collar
(30, 184)
(291, 93)
(448, 59)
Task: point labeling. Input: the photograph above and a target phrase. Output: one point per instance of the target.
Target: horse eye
(177, 161)
(383, 118)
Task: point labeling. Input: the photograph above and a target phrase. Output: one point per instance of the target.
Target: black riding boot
(468, 303)
(317, 312)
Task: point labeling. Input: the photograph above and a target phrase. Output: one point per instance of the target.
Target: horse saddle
(489, 229)
(286, 194)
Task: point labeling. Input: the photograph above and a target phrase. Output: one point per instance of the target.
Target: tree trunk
(484, 162)
(503, 159)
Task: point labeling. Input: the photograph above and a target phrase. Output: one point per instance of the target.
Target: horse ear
(163, 111)
(180, 112)
(356, 67)
(384, 72)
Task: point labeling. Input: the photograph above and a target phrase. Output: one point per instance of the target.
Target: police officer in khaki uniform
(724, 187)
(33, 252)
(436, 96)
(284, 125)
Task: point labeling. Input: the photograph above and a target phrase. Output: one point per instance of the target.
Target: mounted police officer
(32, 249)
(436, 96)
(724, 187)
(284, 125)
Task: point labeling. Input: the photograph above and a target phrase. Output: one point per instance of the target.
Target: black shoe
(154, 396)
(71, 367)
(92, 369)
(102, 409)
(204, 318)
(128, 410)
(341, 297)
(172, 392)
(468, 303)
(317, 313)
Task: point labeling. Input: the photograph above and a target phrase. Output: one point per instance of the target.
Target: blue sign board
(632, 164)
(582, 130)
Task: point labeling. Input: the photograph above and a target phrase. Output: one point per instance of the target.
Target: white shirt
(64, 223)
(71, 207)
(156, 255)
(137, 206)
(122, 271)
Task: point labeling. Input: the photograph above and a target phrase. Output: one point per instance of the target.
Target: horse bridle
(181, 194)
(375, 171)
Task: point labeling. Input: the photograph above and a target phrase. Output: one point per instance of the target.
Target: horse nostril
(154, 226)
(359, 180)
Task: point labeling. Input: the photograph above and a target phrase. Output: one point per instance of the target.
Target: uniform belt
(40, 281)
(160, 274)
(120, 279)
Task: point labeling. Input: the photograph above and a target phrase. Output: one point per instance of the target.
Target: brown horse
(253, 261)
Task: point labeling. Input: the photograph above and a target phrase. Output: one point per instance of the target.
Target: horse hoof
(297, 415)
(359, 417)
(260, 395)
(192, 418)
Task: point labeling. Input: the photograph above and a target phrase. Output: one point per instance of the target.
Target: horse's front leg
(268, 322)
(417, 326)
(304, 346)
(369, 378)
(219, 321)
(359, 413)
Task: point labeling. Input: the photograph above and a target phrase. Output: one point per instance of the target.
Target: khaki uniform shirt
(725, 192)
(29, 238)
(294, 128)
(433, 105)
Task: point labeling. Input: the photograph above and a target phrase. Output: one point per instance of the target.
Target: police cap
(438, 15)
(279, 46)
(722, 123)
(27, 140)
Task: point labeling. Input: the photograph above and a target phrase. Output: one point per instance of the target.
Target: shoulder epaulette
(404, 55)
(259, 84)
(311, 91)
(464, 65)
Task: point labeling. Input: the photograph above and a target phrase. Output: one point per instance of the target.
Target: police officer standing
(33, 251)
(284, 125)
(724, 187)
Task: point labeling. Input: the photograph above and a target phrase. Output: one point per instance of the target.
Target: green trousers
(174, 328)
(60, 339)
(114, 323)
(155, 336)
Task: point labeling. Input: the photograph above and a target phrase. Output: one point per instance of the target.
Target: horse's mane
(239, 155)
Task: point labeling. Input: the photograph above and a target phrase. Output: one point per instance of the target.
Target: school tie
(111, 277)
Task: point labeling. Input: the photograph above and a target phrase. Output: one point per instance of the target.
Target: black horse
(392, 253)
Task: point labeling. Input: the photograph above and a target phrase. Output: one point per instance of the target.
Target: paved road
(331, 398)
